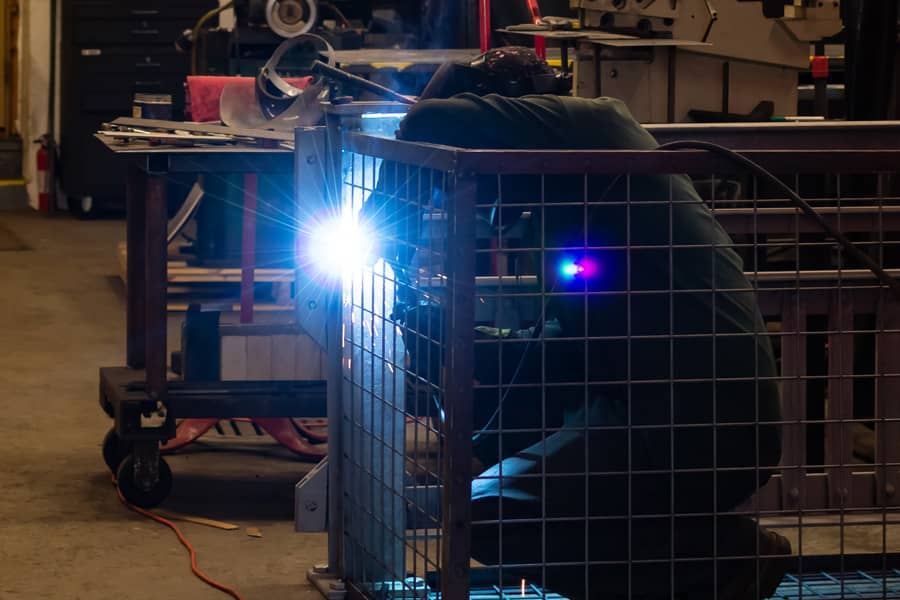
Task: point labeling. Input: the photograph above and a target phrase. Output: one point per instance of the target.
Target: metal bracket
(713, 17)
(311, 500)
(156, 418)
(329, 584)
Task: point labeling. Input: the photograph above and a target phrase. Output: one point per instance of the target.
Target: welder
(637, 471)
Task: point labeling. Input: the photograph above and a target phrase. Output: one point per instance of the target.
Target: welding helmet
(275, 100)
(274, 93)
(510, 71)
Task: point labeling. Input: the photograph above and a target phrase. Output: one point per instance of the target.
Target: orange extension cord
(184, 542)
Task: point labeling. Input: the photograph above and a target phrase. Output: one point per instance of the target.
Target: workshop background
(261, 340)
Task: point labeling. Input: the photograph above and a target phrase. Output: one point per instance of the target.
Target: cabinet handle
(144, 11)
(146, 65)
(145, 31)
(148, 83)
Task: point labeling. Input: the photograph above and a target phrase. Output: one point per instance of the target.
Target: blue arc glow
(572, 269)
(584, 268)
(394, 115)
(340, 247)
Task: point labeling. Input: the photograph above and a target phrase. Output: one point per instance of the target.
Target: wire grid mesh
(398, 334)
(641, 368)
(857, 584)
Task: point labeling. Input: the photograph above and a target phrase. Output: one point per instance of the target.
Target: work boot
(755, 580)
(747, 562)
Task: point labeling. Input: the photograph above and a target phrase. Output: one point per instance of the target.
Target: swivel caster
(143, 491)
(114, 450)
(82, 207)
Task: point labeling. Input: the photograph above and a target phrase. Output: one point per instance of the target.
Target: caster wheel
(135, 493)
(114, 450)
(82, 207)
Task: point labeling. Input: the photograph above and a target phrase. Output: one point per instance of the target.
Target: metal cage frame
(790, 296)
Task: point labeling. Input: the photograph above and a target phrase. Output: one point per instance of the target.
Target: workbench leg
(134, 271)
(248, 247)
(156, 272)
(670, 86)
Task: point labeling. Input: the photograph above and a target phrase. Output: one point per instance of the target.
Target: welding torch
(325, 70)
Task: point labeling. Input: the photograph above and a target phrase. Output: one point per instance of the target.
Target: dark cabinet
(110, 50)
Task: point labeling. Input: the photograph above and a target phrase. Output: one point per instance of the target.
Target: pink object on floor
(314, 429)
(283, 430)
(285, 433)
(188, 431)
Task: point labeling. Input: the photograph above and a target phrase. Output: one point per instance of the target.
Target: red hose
(484, 21)
(195, 569)
(540, 43)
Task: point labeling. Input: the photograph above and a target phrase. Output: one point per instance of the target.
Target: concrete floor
(855, 532)
(64, 533)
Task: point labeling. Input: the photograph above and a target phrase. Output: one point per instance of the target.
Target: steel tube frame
(795, 487)
(147, 259)
(521, 162)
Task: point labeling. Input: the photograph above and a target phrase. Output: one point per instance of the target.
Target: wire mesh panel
(665, 385)
(406, 338)
(374, 417)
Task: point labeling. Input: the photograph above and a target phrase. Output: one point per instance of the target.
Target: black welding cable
(195, 31)
(535, 335)
(883, 276)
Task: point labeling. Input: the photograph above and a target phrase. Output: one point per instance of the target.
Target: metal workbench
(141, 398)
(407, 71)
(352, 58)
(368, 59)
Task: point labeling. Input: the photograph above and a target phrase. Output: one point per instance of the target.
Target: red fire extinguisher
(42, 161)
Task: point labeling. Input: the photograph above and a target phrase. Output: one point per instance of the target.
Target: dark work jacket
(675, 335)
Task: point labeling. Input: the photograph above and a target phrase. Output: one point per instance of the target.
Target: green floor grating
(857, 585)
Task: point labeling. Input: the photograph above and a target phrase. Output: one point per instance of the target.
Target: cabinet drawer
(156, 83)
(115, 102)
(120, 102)
(94, 33)
(95, 62)
(142, 9)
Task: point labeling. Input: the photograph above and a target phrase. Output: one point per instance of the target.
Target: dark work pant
(567, 502)
(629, 560)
